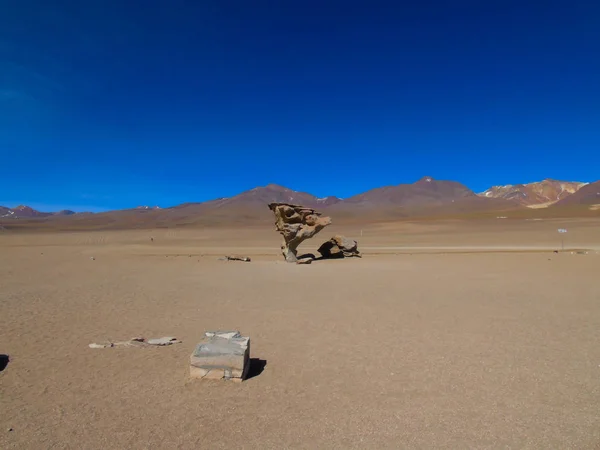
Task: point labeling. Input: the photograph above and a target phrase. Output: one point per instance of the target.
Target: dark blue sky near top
(111, 104)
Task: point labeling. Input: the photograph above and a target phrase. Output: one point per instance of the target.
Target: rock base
(339, 247)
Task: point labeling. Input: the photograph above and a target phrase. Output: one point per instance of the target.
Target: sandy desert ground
(446, 334)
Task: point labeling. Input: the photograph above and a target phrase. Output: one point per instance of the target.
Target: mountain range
(425, 197)
(535, 195)
(23, 211)
(588, 195)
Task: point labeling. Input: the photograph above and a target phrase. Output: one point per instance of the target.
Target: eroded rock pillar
(296, 224)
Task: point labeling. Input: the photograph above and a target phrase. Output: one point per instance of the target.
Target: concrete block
(221, 354)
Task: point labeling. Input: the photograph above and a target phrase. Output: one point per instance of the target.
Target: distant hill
(588, 195)
(535, 195)
(425, 191)
(274, 193)
(27, 212)
(21, 211)
(426, 197)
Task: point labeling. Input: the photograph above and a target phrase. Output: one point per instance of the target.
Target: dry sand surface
(445, 335)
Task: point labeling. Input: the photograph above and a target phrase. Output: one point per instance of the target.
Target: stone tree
(296, 224)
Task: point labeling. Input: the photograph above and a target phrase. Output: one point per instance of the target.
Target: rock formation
(221, 355)
(339, 247)
(296, 224)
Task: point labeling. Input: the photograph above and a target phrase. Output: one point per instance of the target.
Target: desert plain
(446, 334)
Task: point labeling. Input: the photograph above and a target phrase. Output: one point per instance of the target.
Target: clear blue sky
(117, 103)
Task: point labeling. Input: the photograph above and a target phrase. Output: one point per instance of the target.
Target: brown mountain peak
(425, 179)
(537, 194)
(588, 194)
(275, 187)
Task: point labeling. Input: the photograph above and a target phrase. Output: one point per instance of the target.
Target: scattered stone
(237, 258)
(92, 258)
(221, 355)
(164, 341)
(339, 247)
(138, 342)
(102, 345)
(296, 224)
(10, 429)
(132, 344)
(223, 334)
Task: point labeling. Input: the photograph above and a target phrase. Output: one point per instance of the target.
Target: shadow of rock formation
(257, 366)
(4, 360)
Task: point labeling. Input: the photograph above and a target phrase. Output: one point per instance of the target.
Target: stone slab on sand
(221, 355)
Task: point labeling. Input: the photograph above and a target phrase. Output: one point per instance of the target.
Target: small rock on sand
(102, 345)
(238, 258)
(138, 342)
(164, 341)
